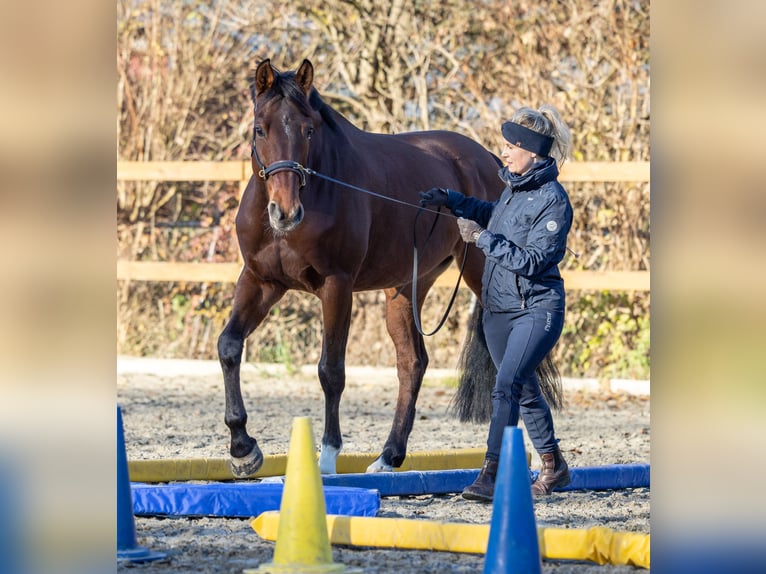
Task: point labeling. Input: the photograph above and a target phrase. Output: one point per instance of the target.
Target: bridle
(277, 166)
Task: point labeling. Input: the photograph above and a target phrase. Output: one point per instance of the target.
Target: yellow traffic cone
(303, 544)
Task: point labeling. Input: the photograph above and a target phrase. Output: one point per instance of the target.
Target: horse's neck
(335, 152)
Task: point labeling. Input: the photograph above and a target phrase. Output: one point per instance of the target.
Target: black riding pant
(518, 342)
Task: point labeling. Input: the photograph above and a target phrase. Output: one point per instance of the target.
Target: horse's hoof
(379, 466)
(243, 467)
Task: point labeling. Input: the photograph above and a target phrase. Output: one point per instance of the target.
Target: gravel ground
(171, 412)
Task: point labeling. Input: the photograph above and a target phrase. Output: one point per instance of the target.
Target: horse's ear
(264, 77)
(305, 76)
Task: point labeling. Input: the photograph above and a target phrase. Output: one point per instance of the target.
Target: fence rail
(240, 171)
(583, 171)
(228, 273)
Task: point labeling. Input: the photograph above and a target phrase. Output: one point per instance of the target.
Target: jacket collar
(541, 173)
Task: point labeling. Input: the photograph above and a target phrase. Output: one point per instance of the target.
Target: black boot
(483, 488)
(553, 474)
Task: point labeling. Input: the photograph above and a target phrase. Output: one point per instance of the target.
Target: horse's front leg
(252, 301)
(411, 363)
(336, 297)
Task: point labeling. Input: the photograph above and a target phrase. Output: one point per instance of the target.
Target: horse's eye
(259, 131)
(309, 132)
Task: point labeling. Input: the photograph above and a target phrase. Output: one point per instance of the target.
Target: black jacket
(525, 239)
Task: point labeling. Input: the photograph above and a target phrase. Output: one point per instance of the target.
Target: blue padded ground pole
(355, 494)
(240, 500)
(607, 477)
(406, 483)
(412, 483)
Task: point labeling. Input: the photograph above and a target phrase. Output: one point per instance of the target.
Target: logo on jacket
(551, 226)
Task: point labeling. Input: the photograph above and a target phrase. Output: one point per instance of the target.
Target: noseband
(277, 166)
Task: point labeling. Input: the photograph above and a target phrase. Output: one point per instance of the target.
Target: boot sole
(476, 497)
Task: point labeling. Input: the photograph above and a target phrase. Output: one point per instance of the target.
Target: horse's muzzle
(284, 222)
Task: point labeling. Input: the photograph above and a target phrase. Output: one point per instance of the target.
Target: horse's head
(284, 124)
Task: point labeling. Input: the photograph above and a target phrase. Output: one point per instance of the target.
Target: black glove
(469, 230)
(437, 196)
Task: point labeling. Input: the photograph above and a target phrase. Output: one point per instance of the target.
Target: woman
(523, 236)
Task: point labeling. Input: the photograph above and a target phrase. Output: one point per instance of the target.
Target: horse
(300, 231)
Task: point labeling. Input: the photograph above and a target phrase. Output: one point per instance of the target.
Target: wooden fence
(240, 171)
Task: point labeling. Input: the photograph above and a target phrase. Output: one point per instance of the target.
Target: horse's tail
(477, 372)
(550, 382)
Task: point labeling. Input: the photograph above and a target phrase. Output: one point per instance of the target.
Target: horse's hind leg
(252, 301)
(411, 363)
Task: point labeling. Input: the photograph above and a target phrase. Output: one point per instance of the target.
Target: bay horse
(300, 231)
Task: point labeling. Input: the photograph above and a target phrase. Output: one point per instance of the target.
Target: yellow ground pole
(598, 544)
(172, 470)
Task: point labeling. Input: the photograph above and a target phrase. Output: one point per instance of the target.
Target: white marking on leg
(327, 459)
(379, 466)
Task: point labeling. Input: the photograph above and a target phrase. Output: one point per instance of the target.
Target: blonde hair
(547, 121)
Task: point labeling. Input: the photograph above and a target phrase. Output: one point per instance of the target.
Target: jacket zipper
(518, 288)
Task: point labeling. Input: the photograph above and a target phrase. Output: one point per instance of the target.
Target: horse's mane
(329, 115)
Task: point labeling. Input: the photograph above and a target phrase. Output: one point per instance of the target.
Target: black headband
(528, 139)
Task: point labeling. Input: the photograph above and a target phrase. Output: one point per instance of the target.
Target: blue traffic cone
(13, 521)
(513, 547)
(128, 549)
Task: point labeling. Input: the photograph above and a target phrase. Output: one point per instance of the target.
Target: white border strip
(190, 368)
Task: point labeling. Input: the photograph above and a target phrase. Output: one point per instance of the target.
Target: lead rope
(415, 311)
(310, 171)
(301, 170)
